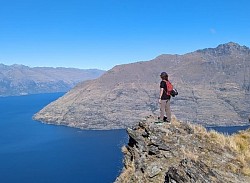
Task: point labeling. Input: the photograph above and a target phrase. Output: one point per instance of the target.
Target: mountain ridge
(21, 80)
(206, 82)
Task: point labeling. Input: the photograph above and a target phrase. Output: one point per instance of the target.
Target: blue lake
(32, 152)
(228, 129)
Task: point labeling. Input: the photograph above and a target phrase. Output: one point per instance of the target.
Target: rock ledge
(183, 153)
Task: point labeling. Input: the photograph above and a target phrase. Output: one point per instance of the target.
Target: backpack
(170, 89)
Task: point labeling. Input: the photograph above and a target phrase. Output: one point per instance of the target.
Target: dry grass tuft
(238, 143)
(220, 138)
(124, 149)
(199, 129)
(189, 155)
(233, 168)
(242, 147)
(125, 176)
(246, 171)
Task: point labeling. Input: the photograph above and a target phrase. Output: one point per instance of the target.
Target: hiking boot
(168, 122)
(159, 121)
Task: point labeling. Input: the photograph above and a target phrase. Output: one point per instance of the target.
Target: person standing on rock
(165, 88)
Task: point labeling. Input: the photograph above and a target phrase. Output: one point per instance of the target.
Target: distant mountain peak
(19, 66)
(232, 45)
(226, 49)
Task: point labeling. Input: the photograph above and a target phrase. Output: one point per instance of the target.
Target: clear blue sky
(104, 33)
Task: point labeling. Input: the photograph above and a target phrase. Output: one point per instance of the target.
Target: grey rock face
(22, 80)
(194, 155)
(213, 86)
(191, 171)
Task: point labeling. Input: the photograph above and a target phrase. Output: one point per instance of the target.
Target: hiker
(165, 88)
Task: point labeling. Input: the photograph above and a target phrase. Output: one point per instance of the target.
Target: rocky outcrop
(184, 153)
(23, 80)
(213, 85)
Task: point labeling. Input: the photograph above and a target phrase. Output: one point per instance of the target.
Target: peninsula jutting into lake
(213, 85)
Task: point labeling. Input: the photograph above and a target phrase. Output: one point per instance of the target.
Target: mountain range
(22, 80)
(213, 85)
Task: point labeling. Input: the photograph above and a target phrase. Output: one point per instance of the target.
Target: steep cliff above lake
(184, 153)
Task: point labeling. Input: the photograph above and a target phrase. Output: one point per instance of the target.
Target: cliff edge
(184, 153)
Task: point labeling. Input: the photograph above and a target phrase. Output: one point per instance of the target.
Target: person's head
(164, 76)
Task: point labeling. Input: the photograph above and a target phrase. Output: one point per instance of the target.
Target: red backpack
(169, 87)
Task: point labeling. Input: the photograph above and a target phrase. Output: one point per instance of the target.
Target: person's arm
(161, 92)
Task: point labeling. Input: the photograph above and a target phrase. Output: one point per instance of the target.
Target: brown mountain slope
(214, 87)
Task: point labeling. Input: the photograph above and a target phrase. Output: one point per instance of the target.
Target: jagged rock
(136, 139)
(153, 170)
(191, 171)
(164, 147)
(153, 150)
(186, 154)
